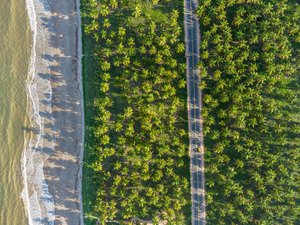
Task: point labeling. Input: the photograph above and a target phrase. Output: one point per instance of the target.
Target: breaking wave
(38, 202)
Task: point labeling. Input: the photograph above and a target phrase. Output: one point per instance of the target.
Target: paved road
(192, 41)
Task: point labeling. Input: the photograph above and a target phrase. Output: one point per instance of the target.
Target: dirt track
(192, 40)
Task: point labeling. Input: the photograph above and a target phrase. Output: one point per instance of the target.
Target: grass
(88, 74)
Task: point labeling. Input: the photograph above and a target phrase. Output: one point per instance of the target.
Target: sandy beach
(53, 178)
(63, 168)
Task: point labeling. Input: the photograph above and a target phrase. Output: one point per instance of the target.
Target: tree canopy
(251, 103)
(141, 152)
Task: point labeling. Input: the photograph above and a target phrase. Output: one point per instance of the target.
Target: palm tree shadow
(60, 111)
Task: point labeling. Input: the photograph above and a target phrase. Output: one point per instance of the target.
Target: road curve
(194, 104)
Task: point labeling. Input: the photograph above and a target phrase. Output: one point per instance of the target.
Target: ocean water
(15, 51)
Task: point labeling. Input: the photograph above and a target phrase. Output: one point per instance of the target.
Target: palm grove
(250, 83)
(141, 152)
(251, 104)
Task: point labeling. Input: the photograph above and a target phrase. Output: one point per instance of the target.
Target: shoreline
(52, 162)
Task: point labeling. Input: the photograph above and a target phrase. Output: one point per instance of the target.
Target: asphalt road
(192, 41)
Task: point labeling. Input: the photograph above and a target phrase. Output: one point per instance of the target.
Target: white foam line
(32, 163)
(39, 203)
(33, 25)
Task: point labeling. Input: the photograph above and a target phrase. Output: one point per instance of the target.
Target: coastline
(52, 161)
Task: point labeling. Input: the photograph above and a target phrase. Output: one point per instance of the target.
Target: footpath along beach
(52, 160)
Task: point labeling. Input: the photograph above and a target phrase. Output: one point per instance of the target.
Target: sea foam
(38, 202)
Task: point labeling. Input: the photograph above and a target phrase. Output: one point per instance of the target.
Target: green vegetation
(89, 85)
(251, 84)
(136, 162)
